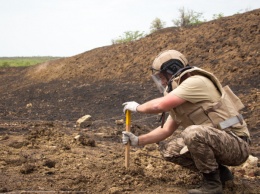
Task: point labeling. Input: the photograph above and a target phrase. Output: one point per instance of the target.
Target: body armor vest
(223, 114)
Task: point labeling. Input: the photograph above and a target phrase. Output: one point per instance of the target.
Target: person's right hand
(130, 106)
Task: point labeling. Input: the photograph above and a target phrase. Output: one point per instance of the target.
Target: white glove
(128, 136)
(130, 106)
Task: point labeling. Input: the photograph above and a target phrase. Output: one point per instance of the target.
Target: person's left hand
(128, 136)
(132, 106)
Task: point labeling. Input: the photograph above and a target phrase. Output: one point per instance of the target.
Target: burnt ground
(39, 107)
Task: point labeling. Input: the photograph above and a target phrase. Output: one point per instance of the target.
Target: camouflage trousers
(207, 148)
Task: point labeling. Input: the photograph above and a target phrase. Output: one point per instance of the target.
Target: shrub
(157, 24)
(128, 37)
(217, 16)
(5, 64)
(188, 18)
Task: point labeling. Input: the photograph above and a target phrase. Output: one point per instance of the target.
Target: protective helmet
(170, 61)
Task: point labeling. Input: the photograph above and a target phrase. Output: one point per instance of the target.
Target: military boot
(211, 184)
(225, 174)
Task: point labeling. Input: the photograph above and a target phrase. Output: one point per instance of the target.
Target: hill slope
(70, 87)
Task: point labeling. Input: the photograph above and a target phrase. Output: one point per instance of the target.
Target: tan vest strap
(231, 121)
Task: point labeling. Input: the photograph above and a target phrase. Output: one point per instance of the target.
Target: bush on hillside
(217, 16)
(157, 24)
(128, 37)
(188, 18)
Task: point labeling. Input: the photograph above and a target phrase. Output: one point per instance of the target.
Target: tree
(128, 37)
(188, 18)
(156, 24)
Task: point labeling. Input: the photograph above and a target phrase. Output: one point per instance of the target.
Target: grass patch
(23, 61)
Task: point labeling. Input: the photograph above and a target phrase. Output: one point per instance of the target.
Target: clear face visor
(158, 82)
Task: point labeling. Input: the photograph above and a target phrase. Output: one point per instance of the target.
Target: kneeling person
(215, 133)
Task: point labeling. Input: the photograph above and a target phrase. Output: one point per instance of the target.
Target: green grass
(23, 61)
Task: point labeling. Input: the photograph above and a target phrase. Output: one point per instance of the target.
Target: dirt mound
(39, 107)
(225, 45)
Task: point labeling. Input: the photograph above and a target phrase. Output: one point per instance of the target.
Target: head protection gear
(168, 63)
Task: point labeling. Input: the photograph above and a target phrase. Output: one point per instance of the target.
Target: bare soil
(39, 106)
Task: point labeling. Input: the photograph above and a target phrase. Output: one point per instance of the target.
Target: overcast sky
(70, 27)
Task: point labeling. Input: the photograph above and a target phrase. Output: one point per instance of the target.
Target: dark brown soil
(39, 107)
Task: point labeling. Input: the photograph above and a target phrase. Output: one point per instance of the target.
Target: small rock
(5, 137)
(27, 168)
(18, 145)
(177, 167)
(84, 121)
(119, 122)
(49, 163)
(250, 162)
(84, 140)
(29, 105)
(115, 190)
(77, 137)
(149, 167)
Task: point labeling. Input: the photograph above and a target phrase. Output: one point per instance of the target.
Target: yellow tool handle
(127, 147)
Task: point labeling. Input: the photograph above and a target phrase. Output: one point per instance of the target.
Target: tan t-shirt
(197, 88)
